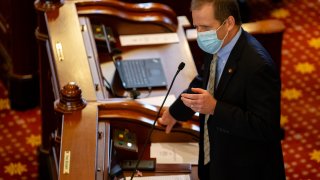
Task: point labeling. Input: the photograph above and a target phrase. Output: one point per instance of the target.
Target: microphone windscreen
(181, 66)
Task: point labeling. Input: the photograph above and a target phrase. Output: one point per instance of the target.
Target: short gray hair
(222, 8)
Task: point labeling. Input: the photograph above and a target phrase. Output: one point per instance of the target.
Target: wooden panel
(79, 136)
(72, 66)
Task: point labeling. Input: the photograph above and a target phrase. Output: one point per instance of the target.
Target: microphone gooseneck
(181, 66)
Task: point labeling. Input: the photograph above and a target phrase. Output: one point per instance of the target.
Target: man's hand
(168, 120)
(202, 101)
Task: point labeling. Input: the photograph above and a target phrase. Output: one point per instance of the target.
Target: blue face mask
(208, 41)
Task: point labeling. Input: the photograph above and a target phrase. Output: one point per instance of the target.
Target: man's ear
(230, 22)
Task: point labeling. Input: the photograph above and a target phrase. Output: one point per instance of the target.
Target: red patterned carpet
(19, 138)
(20, 131)
(300, 84)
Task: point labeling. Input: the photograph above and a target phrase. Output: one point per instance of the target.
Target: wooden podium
(76, 134)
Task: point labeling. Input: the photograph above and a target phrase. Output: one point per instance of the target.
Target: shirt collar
(226, 50)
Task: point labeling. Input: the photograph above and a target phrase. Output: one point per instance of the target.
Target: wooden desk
(71, 40)
(89, 150)
(64, 58)
(171, 56)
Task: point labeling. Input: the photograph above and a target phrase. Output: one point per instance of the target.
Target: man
(242, 118)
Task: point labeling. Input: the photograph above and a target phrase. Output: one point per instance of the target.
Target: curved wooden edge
(134, 7)
(130, 105)
(121, 12)
(143, 114)
(148, 17)
(264, 26)
(46, 6)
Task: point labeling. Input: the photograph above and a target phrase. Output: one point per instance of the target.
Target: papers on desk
(148, 39)
(175, 153)
(183, 21)
(191, 34)
(173, 177)
(157, 101)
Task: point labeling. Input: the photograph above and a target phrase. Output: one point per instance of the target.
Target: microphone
(181, 66)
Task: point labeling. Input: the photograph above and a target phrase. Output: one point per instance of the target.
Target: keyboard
(141, 73)
(135, 72)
